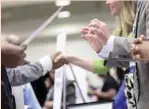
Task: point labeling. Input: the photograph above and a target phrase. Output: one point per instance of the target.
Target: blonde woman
(125, 11)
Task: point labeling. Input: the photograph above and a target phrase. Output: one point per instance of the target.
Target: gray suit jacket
(24, 74)
(122, 50)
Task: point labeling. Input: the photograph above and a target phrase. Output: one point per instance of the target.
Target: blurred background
(22, 17)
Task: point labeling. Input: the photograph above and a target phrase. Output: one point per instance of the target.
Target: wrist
(69, 58)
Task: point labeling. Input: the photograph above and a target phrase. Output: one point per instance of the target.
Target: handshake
(140, 49)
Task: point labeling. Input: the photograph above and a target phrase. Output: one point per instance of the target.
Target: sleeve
(121, 54)
(99, 67)
(117, 51)
(29, 72)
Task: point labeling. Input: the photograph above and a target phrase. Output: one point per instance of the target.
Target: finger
(138, 40)
(84, 31)
(58, 58)
(14, 49)
(86, 37)
(93, 30)
(90, 37)
(85, 28)
(143, 38)
(133, 47)
(55, 55)
(136, 49)
(138, 57)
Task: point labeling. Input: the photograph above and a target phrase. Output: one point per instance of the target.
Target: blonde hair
(127, 17)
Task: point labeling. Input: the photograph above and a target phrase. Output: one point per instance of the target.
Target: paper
(59, 74)
(61, 42)
(93, 106)
(38, 30)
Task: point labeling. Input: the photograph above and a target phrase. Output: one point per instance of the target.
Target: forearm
(121, 49)
(24, 74)
(29, 72)
(96, 66)
(82, 62)
(107, 95)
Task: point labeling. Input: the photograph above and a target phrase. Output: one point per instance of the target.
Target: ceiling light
(62, 2)
(64, 14)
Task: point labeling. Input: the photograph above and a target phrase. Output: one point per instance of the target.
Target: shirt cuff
(105, 51)
(46, 63)
(110, 43)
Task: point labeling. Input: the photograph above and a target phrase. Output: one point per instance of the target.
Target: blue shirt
(30, 98)
(120, 99)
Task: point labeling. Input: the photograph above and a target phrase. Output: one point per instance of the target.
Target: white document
(93, 106)
(61, 42)
(38, 30)
(59, 73)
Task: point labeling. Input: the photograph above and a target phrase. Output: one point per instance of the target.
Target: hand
(62, 57)
(140, 49)
(97, 34)
(140, 39)
(48, 105)
(12, 39)
(57, 64)
(11, 54)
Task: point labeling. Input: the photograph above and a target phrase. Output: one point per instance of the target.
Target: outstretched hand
(97, 34)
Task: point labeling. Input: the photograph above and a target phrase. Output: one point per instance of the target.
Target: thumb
(58, 58)
(143, 37)
(55, 55)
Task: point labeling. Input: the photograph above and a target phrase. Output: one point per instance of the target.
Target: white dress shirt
(105, 51)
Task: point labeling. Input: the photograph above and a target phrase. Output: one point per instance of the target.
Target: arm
(29, 72)
(120, 51)
(96, 66)
(144, 32)
(81, 62)
(107, 46)
(110, 94)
